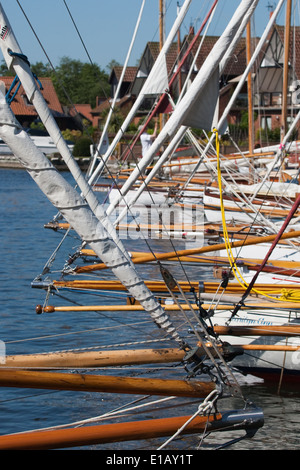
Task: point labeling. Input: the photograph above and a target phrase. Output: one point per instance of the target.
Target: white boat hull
(260, 362)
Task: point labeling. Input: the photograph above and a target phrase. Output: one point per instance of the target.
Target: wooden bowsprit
(250, 420)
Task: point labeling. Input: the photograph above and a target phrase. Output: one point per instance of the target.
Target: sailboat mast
(286, 65)
(162, 36)
(250, 103)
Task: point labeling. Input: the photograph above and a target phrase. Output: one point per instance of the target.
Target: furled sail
(185, 108)
(77, 212)
(151, 86)
(16, 60)
(101, 149)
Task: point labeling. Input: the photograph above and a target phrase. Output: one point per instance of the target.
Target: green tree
(74, 81)
(79, 82)
(4, 72)
(41, 69)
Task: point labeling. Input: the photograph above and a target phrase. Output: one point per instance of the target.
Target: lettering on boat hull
(2, 352)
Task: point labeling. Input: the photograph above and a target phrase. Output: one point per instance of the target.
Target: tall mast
(250, 103)
(162, 37)
(178, 51)
(286, 65)
(162, 10)
(250, 100)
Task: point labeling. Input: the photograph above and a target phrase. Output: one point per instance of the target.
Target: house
(268, 81)
(24, 109)
(115, 77)
(234, 68)
(81, 113)
(125, 99)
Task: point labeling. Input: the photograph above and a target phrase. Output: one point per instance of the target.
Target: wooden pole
(269, 347)
(106, 433)
(286, 66)
(268, 330)
(250, 104)
(159, 286)
(102, 383)
(167, 307)
(193, 251)
(93, 358)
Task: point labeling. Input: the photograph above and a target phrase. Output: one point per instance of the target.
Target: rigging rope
(235, 270)
(204, 408)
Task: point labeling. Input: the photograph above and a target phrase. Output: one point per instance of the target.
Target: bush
(82, 147)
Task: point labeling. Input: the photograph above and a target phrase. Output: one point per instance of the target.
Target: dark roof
(294, 53)
(129, 76)
(237, 62)
(171, 56)
(107, 104)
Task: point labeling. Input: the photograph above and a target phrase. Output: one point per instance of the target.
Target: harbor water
(25, 247)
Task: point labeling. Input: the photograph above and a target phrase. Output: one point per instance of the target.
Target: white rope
(204, 408)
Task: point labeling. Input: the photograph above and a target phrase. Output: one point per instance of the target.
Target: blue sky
(106, 26)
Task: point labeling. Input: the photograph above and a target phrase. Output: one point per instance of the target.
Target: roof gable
(129, 75)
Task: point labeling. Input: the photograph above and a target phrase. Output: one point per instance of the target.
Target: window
(276, 99)
(266, 122)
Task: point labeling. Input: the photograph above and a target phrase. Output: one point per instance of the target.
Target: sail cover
(78, 213)
(203, 110)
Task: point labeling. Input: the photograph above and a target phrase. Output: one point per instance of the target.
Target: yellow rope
(287, 295)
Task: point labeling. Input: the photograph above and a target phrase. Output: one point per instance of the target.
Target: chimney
(191, 31)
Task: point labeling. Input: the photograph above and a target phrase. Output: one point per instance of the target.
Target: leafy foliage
(79, 81)
(82, 147)
(74, 81)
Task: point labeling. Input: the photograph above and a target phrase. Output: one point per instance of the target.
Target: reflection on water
(25, 247)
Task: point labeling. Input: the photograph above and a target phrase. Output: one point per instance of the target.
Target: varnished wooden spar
(186, 286)
(94, 358)
(208, 229)
(267, 330)
(116, 358)
(167, 307)
(149, 257)
(269, 347)
(107, 433)
(287, 268)
(105, 384)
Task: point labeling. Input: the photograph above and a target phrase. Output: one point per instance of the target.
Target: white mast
(203, 92)
(156, 83)
(61, 194)
(95, 156)
(15, 59)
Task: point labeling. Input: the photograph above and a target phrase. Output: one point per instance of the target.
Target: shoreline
(10, 162)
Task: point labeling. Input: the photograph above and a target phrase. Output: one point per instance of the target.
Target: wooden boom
(94, 358)
(167, 307)
(102, 383)
(105, 433)
(149, 257)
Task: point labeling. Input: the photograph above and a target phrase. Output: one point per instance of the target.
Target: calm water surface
(25, 249)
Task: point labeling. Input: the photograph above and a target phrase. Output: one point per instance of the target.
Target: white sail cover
(202, 113)
(191, 101)
(77, 212)
(156, 83)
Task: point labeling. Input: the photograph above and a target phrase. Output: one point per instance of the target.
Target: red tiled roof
(20, 105)
(86, 111)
